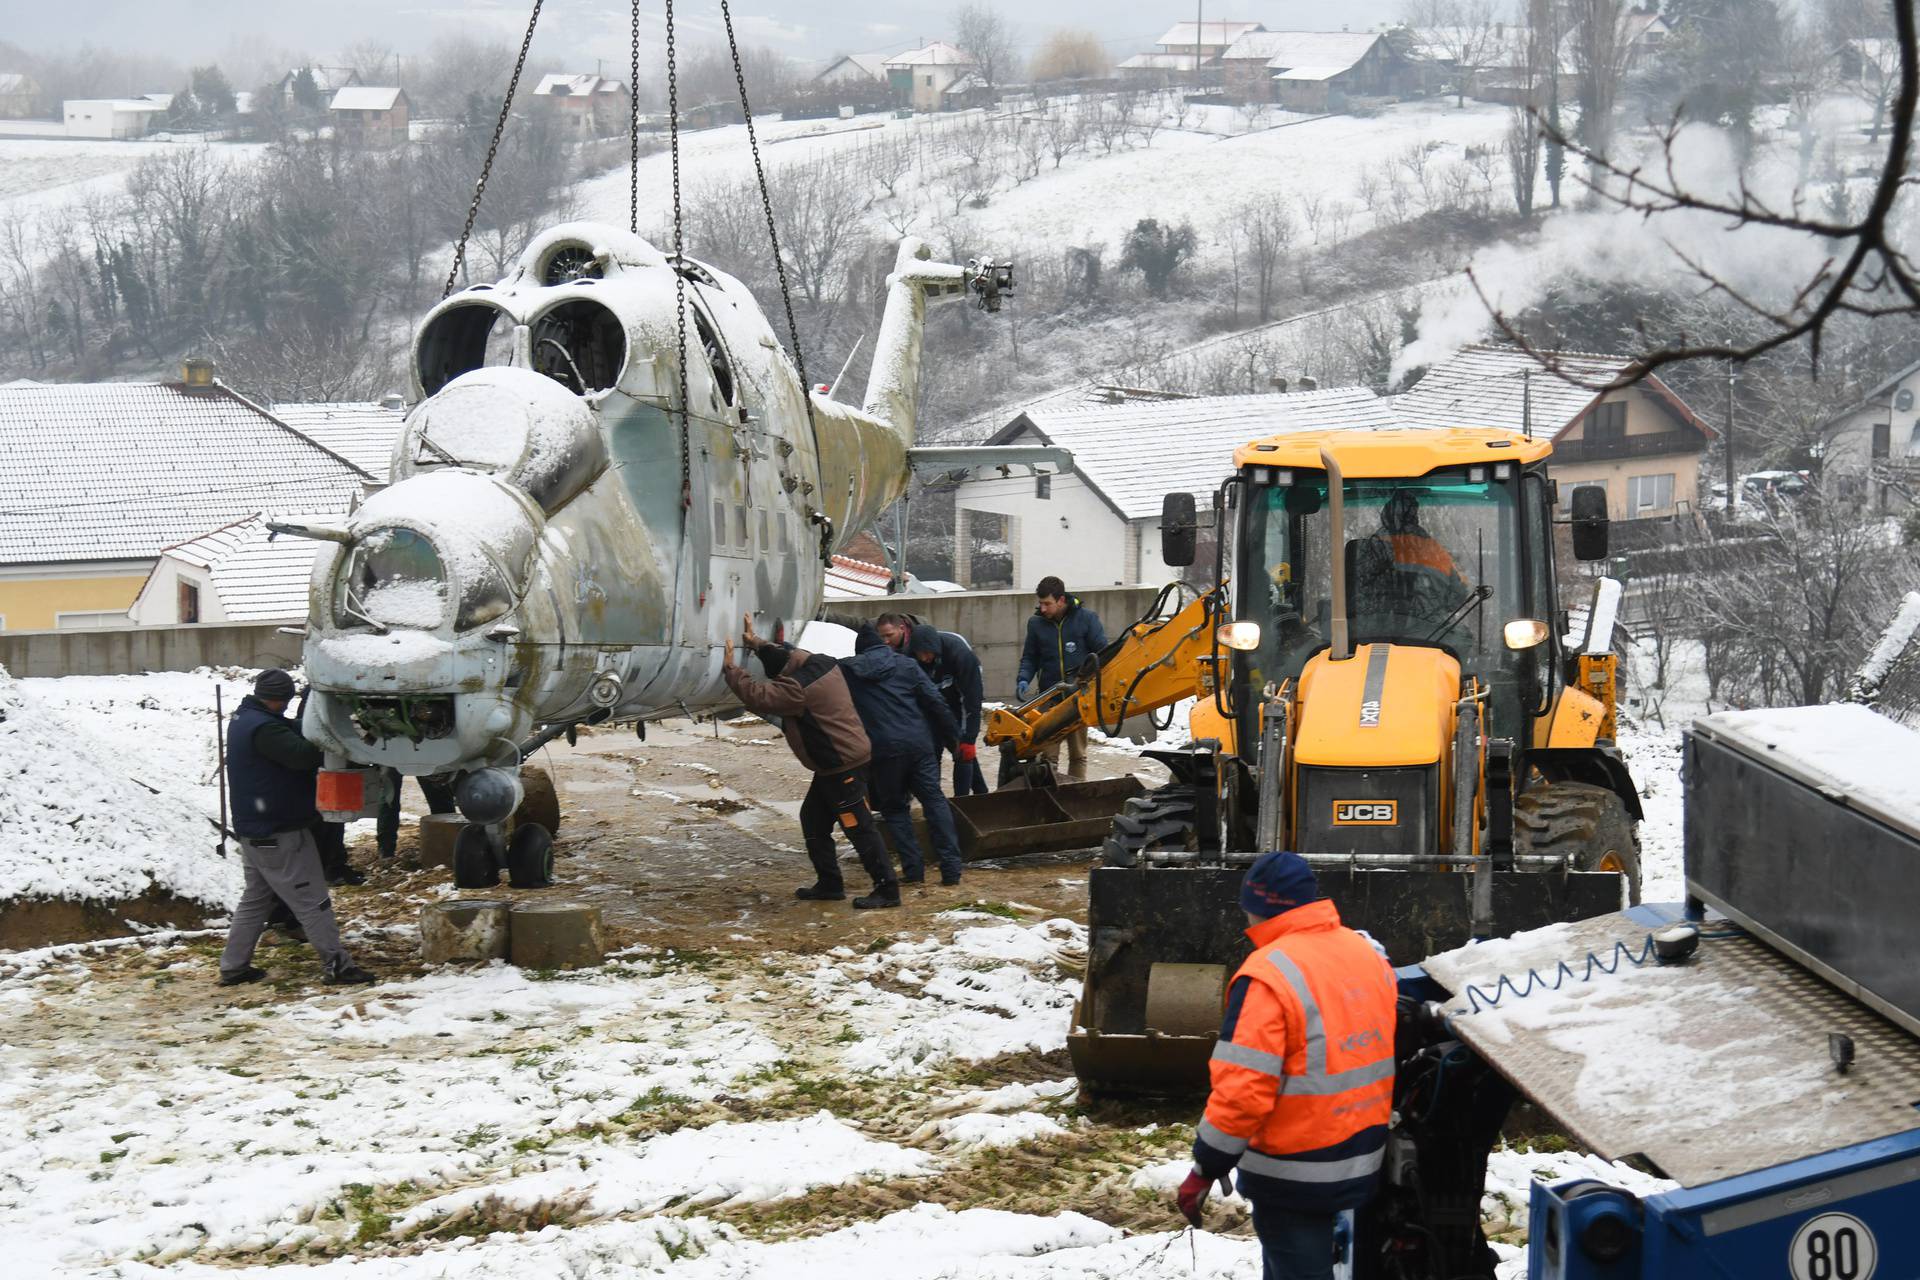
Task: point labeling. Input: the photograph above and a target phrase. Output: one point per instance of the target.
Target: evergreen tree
(212, 91)
(306, 90)
(1156, 252)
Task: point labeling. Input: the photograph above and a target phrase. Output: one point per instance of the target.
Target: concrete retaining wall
(132, 650)
(994, 622)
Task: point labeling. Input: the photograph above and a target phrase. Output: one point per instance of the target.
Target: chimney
(1279, 385)
(393, 401)
(197, 371)
(1308, 384)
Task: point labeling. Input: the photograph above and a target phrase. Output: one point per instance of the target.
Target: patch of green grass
(108, 1157)
(119, 1138)
(880, 943)
(847, 1035)
(1004, 910)
(485, 1133)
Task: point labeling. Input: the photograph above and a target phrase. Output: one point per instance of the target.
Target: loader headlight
(1525, 633)
(1239, 635)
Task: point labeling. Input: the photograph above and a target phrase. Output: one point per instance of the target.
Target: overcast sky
(194, 30)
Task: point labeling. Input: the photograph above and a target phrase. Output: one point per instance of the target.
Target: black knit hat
(925, 639)
(273, 685)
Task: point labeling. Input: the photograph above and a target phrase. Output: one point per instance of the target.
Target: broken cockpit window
(473, 335)
(391, 578)
(581, 345)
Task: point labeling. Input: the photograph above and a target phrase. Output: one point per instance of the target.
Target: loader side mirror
(1179, 530)
(1589, 522)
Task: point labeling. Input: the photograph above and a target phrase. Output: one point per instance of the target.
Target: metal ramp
(1706, 1069)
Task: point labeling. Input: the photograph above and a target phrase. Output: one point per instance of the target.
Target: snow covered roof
(1158, 62)
(1123, 450)
(1311, 73)
(1211, 33)
(580, 86)
(937, 54)
(872, 64)
(1489, 386)
(122, 470)
(256, 579)
(971, 82)
(365, 98)
(1302, 49)
(363, 434)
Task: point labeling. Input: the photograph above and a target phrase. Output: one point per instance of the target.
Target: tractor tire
(1588, 825)
(1159, 819)
(540, 803)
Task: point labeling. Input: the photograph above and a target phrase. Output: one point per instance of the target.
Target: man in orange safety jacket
(1302, 1073)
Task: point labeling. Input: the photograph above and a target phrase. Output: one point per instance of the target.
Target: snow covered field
(37, 174)
(764, 1108)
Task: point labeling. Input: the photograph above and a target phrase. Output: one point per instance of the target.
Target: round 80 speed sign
(1833, 1246)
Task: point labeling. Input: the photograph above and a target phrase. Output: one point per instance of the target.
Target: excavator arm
(1152, 664)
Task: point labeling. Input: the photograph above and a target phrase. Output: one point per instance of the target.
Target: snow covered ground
(37, 174)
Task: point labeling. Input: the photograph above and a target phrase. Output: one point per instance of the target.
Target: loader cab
(1447, 559)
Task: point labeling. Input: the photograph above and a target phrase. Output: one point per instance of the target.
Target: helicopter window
(471, 336)
(392, 578)
(766, 543)
(716, 356)
(786, 546)
(484, 596)
(581, 345)
(741, 538)
(719, 524)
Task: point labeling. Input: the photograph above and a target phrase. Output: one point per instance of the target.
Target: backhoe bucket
(1018, 820)
(1146, 1020)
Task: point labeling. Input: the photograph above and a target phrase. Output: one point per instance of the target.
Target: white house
(1876, 439)
(588, 106)
(113, 117)
(855, 68)
(923, 77)
(1099, 525)
(234, 574)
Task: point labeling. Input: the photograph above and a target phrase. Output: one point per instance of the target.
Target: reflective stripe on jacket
(1303, 1070)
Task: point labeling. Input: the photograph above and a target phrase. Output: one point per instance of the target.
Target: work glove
(1193, 1194)
(966, 751)
(1020, 691)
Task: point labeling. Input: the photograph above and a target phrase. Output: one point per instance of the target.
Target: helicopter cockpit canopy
(452, 542)
(514, 423)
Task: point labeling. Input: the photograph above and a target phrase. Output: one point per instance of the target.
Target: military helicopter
(561, 546)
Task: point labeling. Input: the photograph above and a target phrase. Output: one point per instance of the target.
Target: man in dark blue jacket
(1063, 636)
(909, 725)
(953, 667)
(270, 774)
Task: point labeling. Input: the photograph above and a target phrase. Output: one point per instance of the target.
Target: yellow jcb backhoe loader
(1383, 683)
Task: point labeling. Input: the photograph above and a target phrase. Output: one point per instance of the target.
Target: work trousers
(968, 778)
(1076, 755)
(899, 778)
(838, 799)
(1293, 1246)
(284, 867)
(439, 796)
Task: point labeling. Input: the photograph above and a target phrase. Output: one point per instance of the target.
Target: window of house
(1882, 438)
(189, 602)
(89, 619)
(1607, 422)
(1649, 493)
(1043, 486)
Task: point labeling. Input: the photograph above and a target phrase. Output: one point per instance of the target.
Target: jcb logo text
(1366, 813)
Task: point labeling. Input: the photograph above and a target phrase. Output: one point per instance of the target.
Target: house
(1157, 68)
(370, 116)
(1100, 523)
(327, 81)
(1871, 448)
(586, 106)
(855, 69)
(97, 480)
(114, 117)
(922, 77)
(1642, 443)
(1205, 41)
(1315, 70)
(235, 574)
(19, 94)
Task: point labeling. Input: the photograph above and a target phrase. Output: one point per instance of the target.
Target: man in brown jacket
(809, 695)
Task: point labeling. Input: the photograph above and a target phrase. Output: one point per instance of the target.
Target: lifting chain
(493, 148)
(773, 239)
(633, 127)
(679, 261)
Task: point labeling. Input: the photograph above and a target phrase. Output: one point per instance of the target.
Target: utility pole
(1733, 494)
(1526, 402)
(1199, 8)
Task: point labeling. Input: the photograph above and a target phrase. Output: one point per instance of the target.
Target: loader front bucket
(1018, 820)
(1147, 1018)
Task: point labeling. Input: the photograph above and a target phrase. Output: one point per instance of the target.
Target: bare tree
(1147, 112)
(979, 29)
(1599, 34)
(1269, 228)
(1868, 49)
(1065, 127)
(1465, 32)
(1070, 53)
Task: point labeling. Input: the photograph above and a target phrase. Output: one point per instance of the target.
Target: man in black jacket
(909, 724)
(270, 774)
(954, 668)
